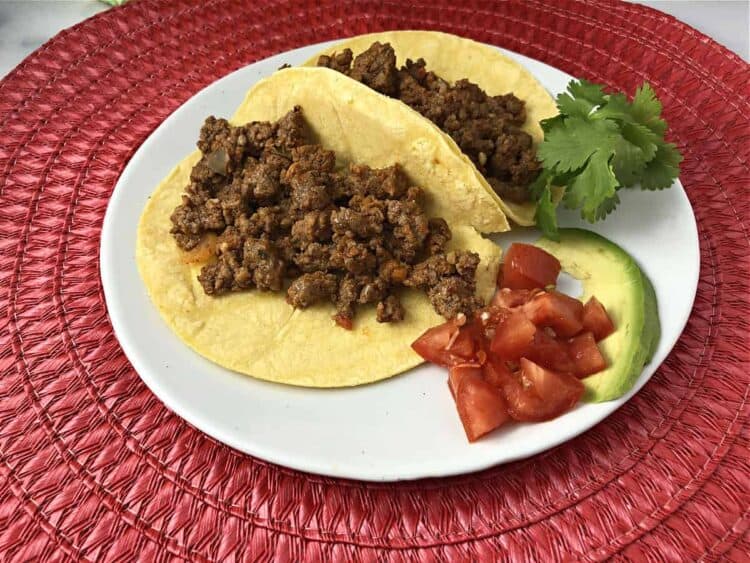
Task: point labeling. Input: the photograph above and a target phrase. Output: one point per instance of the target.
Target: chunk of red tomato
(458, 372)
(481, 406)
(510, 298)
(513, 336)
(558, 311)
(526, 266)
(596, 320)
(497, 372)
(549, 352)
(541, 394)
(449, 344)
(585, 354)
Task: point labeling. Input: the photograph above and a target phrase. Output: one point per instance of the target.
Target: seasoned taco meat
(312, 288)
(287, 219)
(487, 128)
(390, 310)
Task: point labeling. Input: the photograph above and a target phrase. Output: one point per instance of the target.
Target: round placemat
(93, 466)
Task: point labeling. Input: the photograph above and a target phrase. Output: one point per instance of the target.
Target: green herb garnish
(599, 144)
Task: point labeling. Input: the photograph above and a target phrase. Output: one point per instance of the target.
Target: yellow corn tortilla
(258, 333)
(452, 58)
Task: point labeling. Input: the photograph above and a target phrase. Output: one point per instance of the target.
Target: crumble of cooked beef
(288, 219)
(486, 128)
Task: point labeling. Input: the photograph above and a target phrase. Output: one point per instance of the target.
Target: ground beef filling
(487, 128)
(288, 220)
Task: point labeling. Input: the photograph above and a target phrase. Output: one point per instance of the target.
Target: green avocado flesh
(609, 273)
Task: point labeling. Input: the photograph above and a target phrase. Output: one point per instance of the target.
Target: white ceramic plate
(405, 427)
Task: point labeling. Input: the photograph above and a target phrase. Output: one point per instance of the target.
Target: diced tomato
(527, 267)
(549, 352)
(449, 344)
(596, 320)
(496, 372)
(553, 309)
(585, 354)
(559, 391)
(541, 394)
(433, 344)
(480, 405)
(343, 321)
(513, 336)
(523, 404)
(488, 318)
(509, 298)
(462, 345)
(457, 373)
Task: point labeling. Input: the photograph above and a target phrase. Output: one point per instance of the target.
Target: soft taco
(320, 199)
(489, 104)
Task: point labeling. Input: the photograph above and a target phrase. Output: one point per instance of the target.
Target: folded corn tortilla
(258, 333)
(453, 58)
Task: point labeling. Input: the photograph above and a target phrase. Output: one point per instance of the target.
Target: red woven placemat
(93, 466)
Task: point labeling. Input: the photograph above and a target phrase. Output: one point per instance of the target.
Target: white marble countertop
(27, 24)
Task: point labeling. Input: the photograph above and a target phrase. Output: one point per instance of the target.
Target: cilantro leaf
(583, 89)
(616, 107)
(598, 144)
(546, 218)
(568, 146)
(551, 122)
(592, 187)
(642, 137)
(607, 206)
(628, 162)
(573, 107)
(646, 109)
(537, 187)
(564, 178)
(661, 171)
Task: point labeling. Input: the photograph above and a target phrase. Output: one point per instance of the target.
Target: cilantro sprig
(598, 144)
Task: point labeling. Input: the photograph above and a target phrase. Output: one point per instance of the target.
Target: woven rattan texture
(94, 467)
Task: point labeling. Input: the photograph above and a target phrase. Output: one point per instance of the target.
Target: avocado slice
(611, 274)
